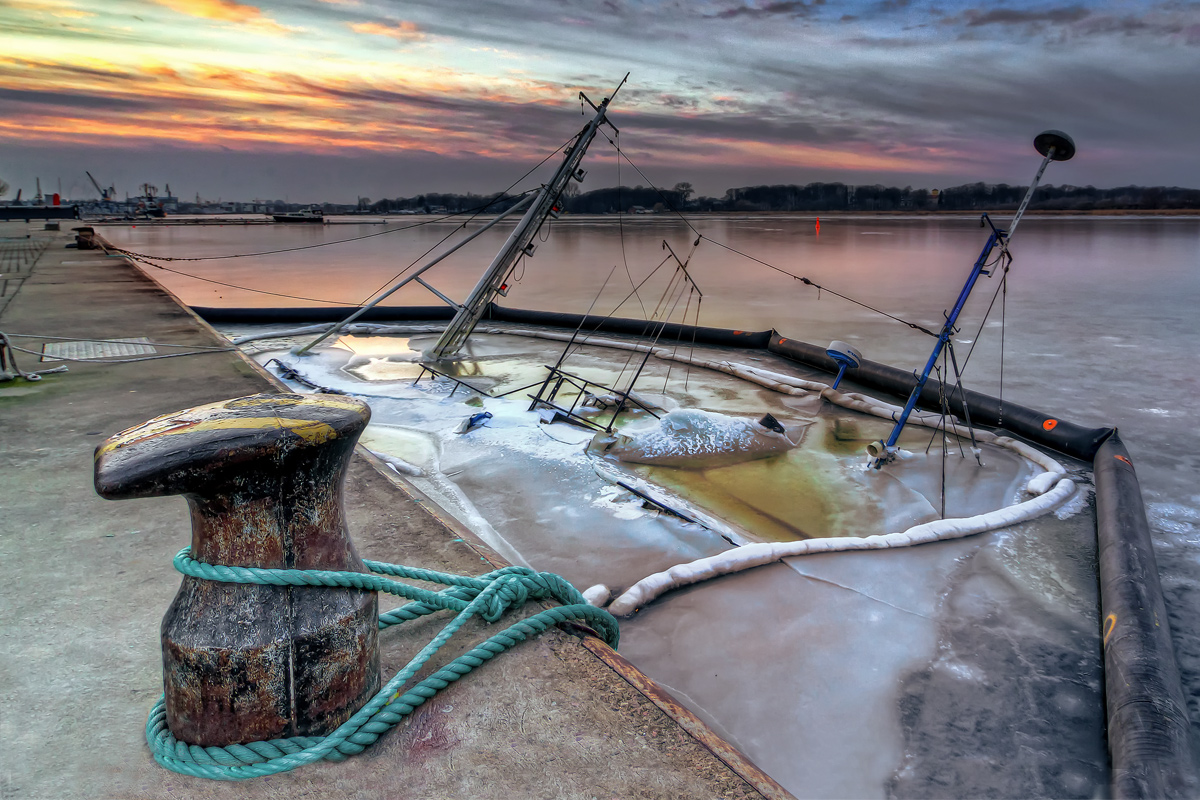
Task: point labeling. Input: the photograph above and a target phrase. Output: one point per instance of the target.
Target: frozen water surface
(968, 667)
(1107, 304)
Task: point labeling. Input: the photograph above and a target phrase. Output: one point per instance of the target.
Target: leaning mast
(520, 241)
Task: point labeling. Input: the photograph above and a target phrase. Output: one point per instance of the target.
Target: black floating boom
(1147, 715)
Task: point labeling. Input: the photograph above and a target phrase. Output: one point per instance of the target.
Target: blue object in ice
(474, 421)
(844, 356)
(1053, 146)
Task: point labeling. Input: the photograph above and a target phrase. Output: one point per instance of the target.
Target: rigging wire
(819, 288)
(629, 275)
(621, 155)
(692, 350)
(413, 263)
(675, 351)
(650, 322)
(668, 292)
(959, 389)
(942, 400)
(197, 352)
(621, 217)
(999, 287)
(474, 211)
(662, 326)
(639, 285)
(1003, 327)
(670, 206)
(479, 210)
(692, 290)
(625, 300)
(632, 293)
(149, 260)
(139, 260)
(567, 350)
(142, 259)
(422, 223)
(671, 290)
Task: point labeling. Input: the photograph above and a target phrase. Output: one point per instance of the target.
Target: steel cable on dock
(195, 351)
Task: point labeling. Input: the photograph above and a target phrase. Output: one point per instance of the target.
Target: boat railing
(559, 377)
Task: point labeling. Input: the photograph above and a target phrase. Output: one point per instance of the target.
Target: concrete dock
(87, 582)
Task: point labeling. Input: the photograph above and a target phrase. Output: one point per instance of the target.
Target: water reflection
(396, 348)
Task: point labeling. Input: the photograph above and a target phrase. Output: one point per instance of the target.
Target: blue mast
(1053, 146)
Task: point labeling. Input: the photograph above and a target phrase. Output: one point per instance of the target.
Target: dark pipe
(1147, 715)
(1056, 434)
(634, 327)
(253, 316)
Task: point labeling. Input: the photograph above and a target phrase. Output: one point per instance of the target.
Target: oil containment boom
(1148, 729)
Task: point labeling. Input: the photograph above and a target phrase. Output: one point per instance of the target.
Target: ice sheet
(809, 666)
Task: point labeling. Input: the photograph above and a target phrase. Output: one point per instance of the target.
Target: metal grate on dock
(109, 348)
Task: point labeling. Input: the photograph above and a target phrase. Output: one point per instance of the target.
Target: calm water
(1100, 320)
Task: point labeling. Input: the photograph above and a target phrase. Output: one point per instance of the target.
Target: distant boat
(310, 215)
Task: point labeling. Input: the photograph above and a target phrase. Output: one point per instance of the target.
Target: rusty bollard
(263, 478)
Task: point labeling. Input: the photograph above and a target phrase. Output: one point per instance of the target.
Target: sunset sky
(332, 99)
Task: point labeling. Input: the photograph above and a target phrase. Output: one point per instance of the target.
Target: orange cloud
(224, 11)
(401, 31)
(801, 155)
(246, 110)
(160, 71)
(430, 109)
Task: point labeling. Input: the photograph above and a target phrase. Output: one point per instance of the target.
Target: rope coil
(487, 596)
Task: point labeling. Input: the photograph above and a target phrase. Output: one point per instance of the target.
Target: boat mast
(520, 242)
(1053, 146)
(416, 276)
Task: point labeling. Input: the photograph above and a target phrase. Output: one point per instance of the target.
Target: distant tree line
(1068, 198)
(968, 197)
(817, 197)
(440, 201)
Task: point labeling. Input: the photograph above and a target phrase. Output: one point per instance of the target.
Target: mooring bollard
(263, 478)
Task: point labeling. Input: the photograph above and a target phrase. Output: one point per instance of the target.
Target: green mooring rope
(487, 596)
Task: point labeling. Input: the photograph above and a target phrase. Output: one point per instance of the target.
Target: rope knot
(511, 591)
(488, 596)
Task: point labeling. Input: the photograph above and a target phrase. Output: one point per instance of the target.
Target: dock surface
(87, 582)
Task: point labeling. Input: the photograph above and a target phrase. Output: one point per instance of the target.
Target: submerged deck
(963, 668)
(87, 582)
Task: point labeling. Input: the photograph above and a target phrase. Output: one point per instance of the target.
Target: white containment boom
(520, 242)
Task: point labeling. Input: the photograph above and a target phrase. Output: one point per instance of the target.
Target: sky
(330, 100)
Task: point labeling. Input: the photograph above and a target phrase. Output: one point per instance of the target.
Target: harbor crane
(105, 194)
